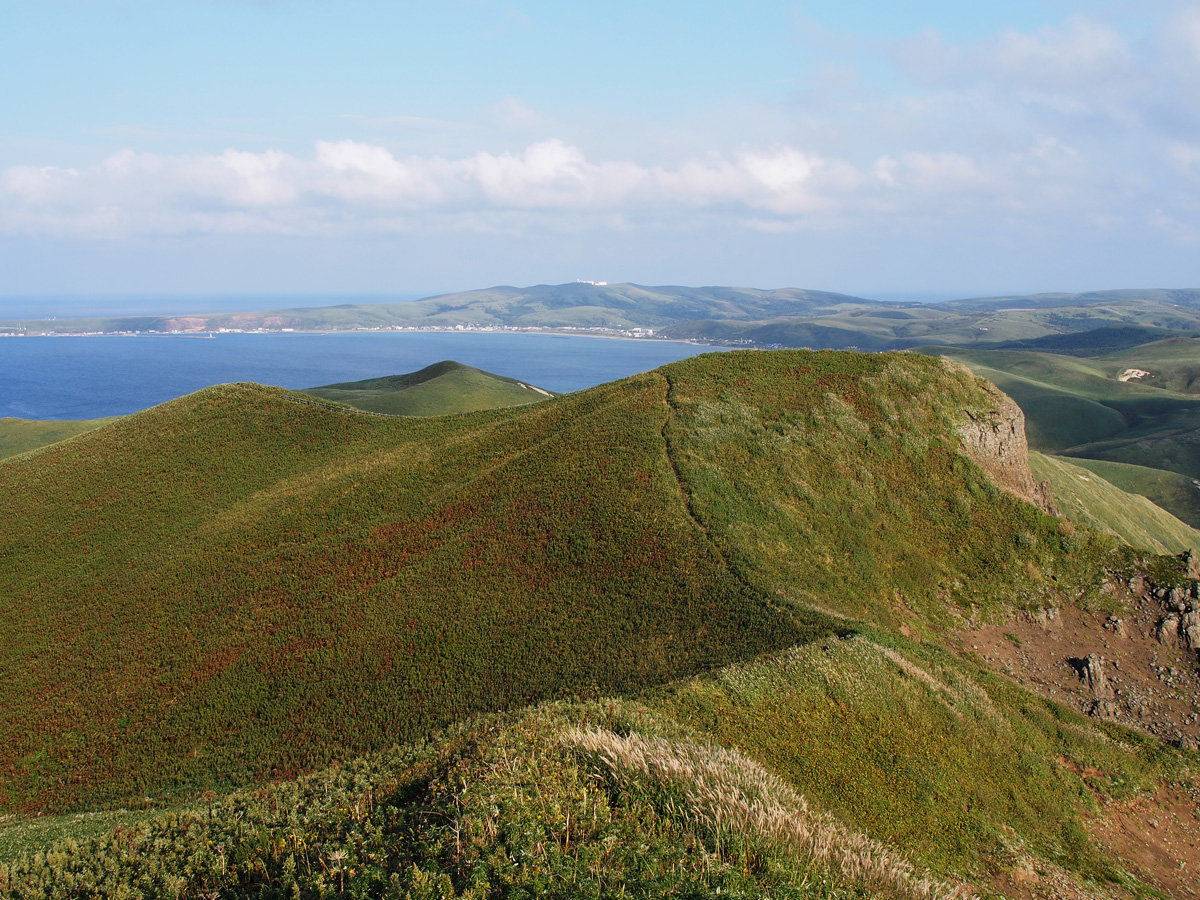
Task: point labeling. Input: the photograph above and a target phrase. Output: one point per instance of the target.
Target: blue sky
(219, 146)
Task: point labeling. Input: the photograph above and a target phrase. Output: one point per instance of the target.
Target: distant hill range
(787, 317)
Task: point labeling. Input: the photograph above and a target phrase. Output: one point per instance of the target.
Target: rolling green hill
(439, 389)
(1187, 297)
(1093, 327)
(1093, 502)
(577, 305)
(21, 435)
(728, 585)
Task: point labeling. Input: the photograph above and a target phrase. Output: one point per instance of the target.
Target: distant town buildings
(598, 283)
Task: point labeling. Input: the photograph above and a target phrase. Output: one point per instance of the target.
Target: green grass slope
(1089, 500)
(22, 435)
(835, 480)
(955, 767)
(849, 768)
(241, 586)
(440, 389)
(1177, 494)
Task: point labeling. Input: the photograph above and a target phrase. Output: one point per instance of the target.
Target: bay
(92, 377)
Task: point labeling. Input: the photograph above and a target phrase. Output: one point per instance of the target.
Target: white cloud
(354, 187)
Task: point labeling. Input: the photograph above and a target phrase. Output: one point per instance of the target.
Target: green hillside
(1173, 364)
(1177, 494)
(1080, 408)
(236, 567)
(1093, 502)
(649, 798)
(738, 578)
(265, 585)
(439, 389)
(574, 305)
(21, 435)
(1084, 329)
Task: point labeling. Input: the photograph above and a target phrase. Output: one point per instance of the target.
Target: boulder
(1189, 629)
(1168, 631)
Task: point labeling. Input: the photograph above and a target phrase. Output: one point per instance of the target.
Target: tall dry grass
(732, 794)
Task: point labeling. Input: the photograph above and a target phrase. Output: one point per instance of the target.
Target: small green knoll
(442, 388)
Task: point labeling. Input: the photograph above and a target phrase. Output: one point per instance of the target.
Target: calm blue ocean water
(90, 377)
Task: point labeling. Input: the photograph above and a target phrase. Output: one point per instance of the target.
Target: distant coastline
(117, 374)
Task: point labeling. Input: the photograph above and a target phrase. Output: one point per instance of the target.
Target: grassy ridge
(834, 480)
(246, 585)
(23, 435)
(243, 587)
(845, 769)
(528, 805)
(440, 389)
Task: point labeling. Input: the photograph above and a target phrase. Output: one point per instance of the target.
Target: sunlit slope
(1089, 500)
(21, 435)
(234, 585)
(1177, 494)
(835, 480)
(439, 389)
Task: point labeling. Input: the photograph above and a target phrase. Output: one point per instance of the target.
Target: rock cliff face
(995, 440)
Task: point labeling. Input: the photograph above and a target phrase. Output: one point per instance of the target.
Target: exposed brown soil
(1149, 680)
(1155, 687)
(1157, 837)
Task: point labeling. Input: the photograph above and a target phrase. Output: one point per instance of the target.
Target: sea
(90, 377)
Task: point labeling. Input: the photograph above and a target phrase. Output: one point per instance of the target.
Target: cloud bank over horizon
(1054, 143)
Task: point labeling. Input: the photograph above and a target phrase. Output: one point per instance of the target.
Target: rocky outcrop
(1093, 675)
(995, 441)
(1180, 629)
